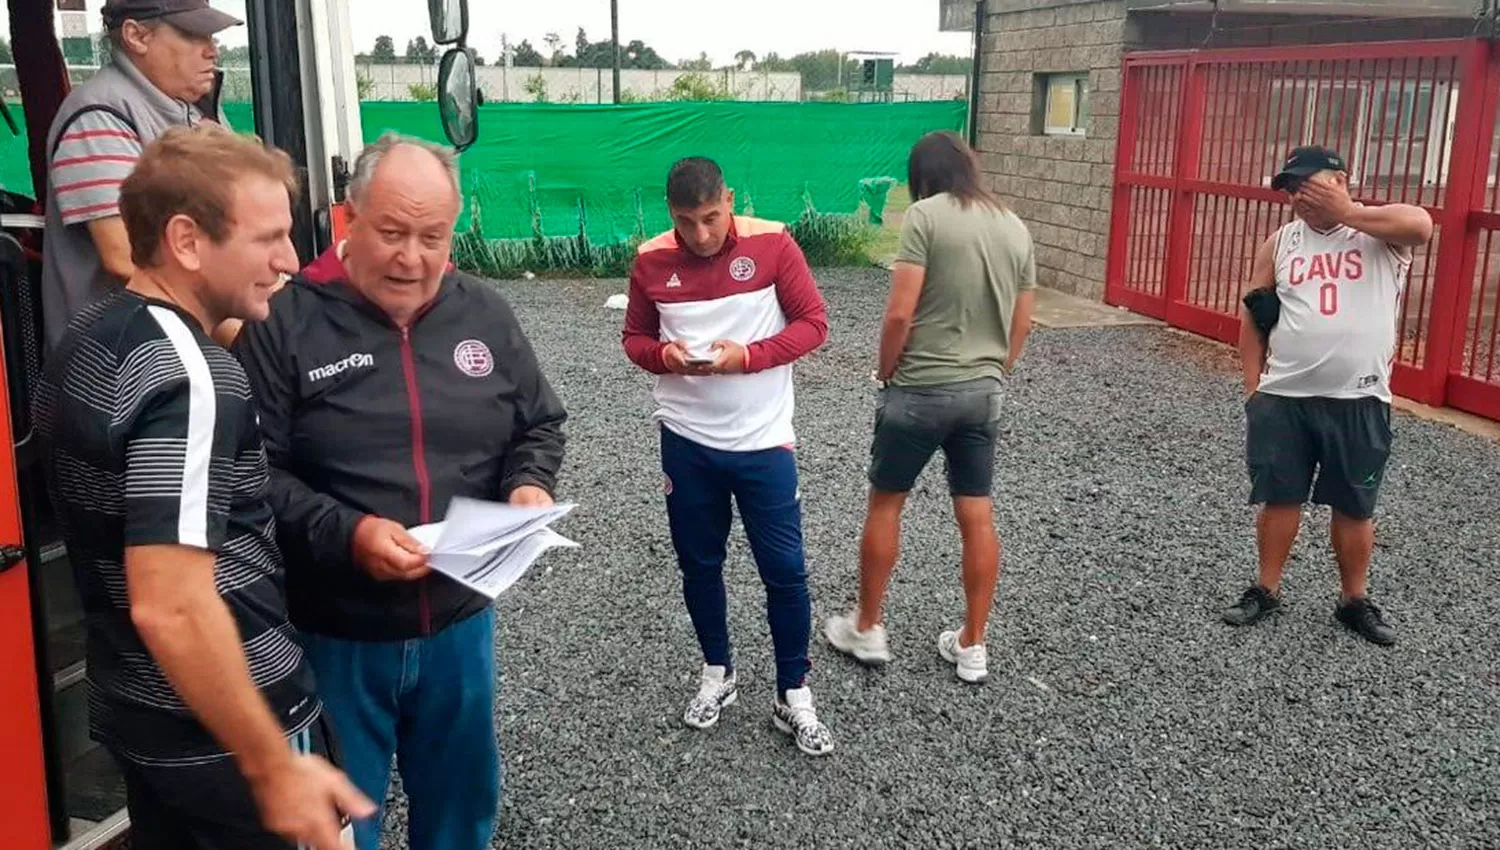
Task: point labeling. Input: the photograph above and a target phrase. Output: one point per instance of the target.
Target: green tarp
(613, 160)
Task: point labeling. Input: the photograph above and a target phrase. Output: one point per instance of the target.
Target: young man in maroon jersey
(720, 308)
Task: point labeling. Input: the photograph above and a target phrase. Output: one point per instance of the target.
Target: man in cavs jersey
(720, 308)
(1318, 387)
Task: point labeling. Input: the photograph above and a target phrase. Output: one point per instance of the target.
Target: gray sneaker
(1255, 604)
(867, 647)
(715, 692)
(796, 717)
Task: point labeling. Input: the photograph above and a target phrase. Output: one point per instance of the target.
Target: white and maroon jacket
(757, 291)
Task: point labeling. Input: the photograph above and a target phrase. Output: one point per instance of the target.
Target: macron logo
(353, 361)
(674, 282)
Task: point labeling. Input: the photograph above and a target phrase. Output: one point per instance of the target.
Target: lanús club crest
(473, 358)
(742, 269)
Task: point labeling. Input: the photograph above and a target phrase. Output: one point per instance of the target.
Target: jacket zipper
(418, 462)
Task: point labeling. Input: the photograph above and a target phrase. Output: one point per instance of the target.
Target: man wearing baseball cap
(1318, 385)
(162, 74)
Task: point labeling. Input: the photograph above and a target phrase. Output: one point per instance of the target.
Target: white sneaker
(971, 662)
(715, 691)
(867, 647)
(797, 718)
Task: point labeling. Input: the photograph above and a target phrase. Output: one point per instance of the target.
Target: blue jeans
(430, 703)
(701, 482)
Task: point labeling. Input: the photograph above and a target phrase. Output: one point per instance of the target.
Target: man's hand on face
(303, 802)
(386, 551)
(731, 357)
(530, 496)
(1327, 198)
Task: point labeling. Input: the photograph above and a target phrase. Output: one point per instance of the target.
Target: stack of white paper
(487, 546)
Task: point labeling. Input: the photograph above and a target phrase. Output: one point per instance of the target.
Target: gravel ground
(1119, 713)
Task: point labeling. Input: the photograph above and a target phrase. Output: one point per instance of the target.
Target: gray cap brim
(207, 21)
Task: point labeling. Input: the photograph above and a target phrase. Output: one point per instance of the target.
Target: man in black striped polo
(198, 687)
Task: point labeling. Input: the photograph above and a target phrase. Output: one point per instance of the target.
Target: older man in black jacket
(388, 384)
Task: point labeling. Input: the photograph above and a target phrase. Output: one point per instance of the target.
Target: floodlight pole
(614, 29)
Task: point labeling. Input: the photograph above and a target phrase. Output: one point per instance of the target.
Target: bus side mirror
(450, 20)
(458, 97)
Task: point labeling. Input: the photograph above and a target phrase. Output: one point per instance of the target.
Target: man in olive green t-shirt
(977, 261)
(956, 321)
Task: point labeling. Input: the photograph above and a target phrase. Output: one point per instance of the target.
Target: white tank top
(1340, 301)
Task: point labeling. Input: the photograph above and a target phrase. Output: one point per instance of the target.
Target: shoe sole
(967, 676)
(864, 657)
(728, 701)
(787, 728)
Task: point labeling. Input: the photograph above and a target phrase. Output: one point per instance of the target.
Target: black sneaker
(1255, 603)
(1363, 617)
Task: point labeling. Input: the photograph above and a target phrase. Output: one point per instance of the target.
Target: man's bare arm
(113, 244)
(901, 306)
(194, 639)
(1252, 344)
(1020, 325)
(1398, 224)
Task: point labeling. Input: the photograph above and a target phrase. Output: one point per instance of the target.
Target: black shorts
(912, 423)
(204, 806)
(1343, 443)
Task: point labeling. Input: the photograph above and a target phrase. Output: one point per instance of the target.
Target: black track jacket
(361, 418)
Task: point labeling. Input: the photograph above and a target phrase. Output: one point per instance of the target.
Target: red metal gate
(1202, 133)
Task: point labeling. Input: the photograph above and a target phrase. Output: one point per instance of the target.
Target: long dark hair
(944, 162)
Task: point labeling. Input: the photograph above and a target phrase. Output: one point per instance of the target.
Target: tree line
(819, 69)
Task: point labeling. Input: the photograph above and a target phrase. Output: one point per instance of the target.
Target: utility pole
(614, 38)
(976, 71)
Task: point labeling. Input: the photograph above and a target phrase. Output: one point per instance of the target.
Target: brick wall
(1177, 31)
(1060, 185)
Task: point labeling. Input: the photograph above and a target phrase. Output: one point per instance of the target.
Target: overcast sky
(677, 29)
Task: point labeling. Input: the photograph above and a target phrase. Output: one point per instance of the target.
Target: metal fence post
(1473, 129)
(1119, 208)
(1189, 145)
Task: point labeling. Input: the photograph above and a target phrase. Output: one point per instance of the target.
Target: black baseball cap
(194, 17)
(1306, 161)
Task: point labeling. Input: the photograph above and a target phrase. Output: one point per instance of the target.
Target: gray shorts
(1336, 448)
(912, 423)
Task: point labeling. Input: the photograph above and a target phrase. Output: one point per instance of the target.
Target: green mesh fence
(596, 173)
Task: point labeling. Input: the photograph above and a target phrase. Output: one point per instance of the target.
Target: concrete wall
(576, 85)
(1177, 31)
(1342, 9)
(1061, 185)
(931, 86)
(594, 85)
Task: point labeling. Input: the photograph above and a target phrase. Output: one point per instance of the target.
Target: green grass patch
(888, 240)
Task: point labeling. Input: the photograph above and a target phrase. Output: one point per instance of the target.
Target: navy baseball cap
(1306, 161)
(194, 17)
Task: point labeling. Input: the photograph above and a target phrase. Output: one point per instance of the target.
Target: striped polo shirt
(153, 439)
